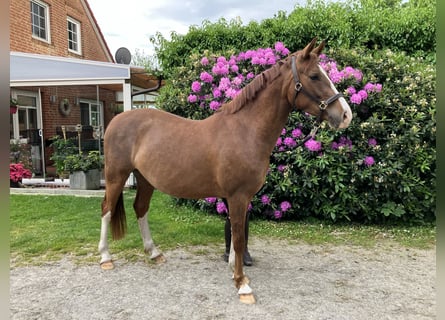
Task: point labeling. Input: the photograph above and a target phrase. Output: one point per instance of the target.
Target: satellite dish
(123, 56)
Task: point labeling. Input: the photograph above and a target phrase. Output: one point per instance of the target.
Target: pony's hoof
(247, 298)
(107, 265)
(159, 259)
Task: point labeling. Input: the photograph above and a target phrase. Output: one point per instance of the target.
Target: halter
(322, 104)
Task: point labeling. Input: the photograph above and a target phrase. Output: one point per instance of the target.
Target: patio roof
(39, 70)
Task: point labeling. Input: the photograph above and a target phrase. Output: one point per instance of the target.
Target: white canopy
(30, 70)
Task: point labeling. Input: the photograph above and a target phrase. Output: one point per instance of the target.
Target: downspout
(41, 136)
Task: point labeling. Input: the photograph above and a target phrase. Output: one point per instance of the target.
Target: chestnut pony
(225, 155)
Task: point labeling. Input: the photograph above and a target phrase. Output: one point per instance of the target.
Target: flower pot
(85, 180)
(12, 109)
(14, 184)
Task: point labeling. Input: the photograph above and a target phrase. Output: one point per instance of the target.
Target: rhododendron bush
(380, 168)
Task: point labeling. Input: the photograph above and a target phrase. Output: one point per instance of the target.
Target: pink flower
(265, 199)
(237, 81)
(210, 200)
(196, 86)
(220, 69)
(279, 142)
(296, 133)
(285, 205)
(336, 76)
(192, 98)
(378, 87)
(221, 207)
(348, 71)
(368, 161)
(221, 60)
(277, 214)
(17, 172)
(313, 145)
(356, 98)
(204, 61)
(369, 87)
(234, 68)
(372, 142)
(231, 93)
(280, 48)
(216, 93)
(363, 94)
(289, 142)
(224, 84)
(351, 90)
(206, 77)
(214, 105)
(358, 75)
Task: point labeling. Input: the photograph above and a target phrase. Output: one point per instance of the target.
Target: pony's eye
(314, 77)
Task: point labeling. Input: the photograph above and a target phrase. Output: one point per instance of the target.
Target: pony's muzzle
(347, 114)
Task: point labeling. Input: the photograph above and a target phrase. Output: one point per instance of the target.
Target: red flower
(17, 172)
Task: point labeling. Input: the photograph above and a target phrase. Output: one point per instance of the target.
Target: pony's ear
(320, 48)
(307, 50)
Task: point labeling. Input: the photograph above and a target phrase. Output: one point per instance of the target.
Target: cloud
(131, 23)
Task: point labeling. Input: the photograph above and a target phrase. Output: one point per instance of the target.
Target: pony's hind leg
(237, 212)
(113, 199)
(141, 206)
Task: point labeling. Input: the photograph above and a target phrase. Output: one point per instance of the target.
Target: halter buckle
(323, 105)
(298, 86)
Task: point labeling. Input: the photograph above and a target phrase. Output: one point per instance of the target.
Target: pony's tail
(118, 219)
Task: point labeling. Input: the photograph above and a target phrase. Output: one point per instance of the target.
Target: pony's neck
(266, 115)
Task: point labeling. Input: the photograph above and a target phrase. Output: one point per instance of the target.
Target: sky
(131, 23)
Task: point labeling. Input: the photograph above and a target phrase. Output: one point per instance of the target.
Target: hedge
(373, 24)
(380, 169)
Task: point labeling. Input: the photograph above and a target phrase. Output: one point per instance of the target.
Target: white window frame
(15, 117)
(78, 36)
(101, 111)
(47, 25)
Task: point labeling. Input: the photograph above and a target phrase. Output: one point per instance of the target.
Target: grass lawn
(47, 227)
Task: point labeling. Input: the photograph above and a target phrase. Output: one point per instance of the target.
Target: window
(40, 20)
(91, 113)
(73, 28)
(24, 123)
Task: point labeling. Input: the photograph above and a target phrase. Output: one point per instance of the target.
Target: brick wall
(53, 118)
(21, 39)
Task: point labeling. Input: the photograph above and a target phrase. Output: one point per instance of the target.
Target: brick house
(64, 77)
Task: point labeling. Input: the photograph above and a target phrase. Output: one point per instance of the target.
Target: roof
(28, 69)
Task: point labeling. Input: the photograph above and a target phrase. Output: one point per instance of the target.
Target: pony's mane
(250, 91)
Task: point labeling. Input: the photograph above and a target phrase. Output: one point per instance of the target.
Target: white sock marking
(149, 245)
(103, 243)
(245, 289)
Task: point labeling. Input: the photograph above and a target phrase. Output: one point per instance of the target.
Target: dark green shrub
(396, 47)
(382, 168)
(408, 27)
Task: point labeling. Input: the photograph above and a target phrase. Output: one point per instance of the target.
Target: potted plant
(13, 104)
(62, 148)
(84, 169)
(17, 172)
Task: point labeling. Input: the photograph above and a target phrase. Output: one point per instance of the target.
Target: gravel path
(290, 281)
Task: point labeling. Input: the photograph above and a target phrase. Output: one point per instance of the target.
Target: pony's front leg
(238, 246)
(106, 262)
(149, 246)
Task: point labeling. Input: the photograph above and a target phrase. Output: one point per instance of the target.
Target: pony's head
(313, 92)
